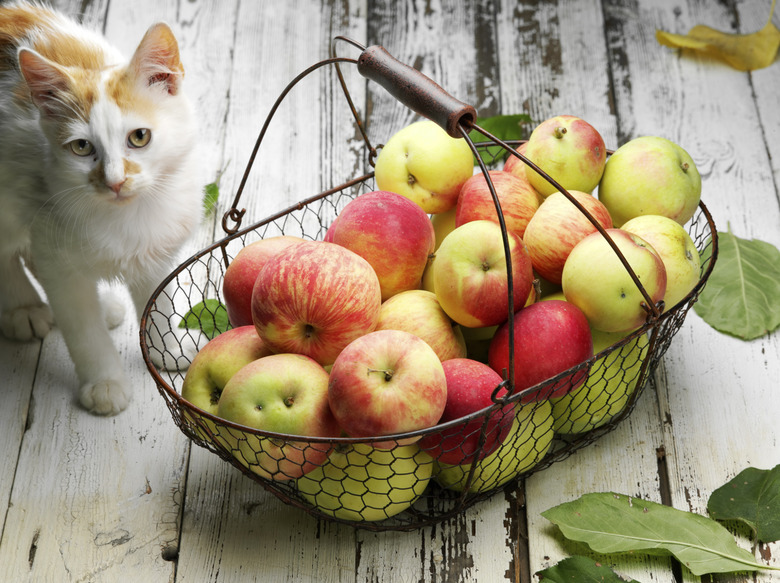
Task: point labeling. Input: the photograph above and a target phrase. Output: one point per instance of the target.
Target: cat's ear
(46, 80)
(156, 60)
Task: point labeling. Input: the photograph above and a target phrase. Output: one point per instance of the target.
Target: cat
(99, 181)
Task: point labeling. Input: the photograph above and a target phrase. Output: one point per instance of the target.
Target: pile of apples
(399, 320)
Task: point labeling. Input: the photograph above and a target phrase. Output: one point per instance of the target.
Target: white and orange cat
(98, 182)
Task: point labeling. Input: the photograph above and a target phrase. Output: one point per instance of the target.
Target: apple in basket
(216, 363)
(526, 444)
(611, 381)
(570, 150)
(424, 164)
(418, 312)
(650, 175)
(285, 394)
(361, 483)
(676, 249)
(470, 274)
(596, 281)
(557, 227)
(392, 233)
(386, 382)
(314, 298)
(242, 272)
(518, 200)
(470, 386)
(550, 337)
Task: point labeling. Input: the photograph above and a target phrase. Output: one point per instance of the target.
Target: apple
(215, 363)
(443, 225)
(241, 273)
(549, 338)
(528, 441)
(392, 233)
(424, 164)
(557, 227)
(314, 298)
(650, 175)
(570, 150)
(596, 281)
(387, 382)
(361, 483)
(517, 198)
(611, 381)
(677, 250)
(470, 274)
(515, 165)
(470, 387)
(418, 312)
(285, 394)
(478, 341)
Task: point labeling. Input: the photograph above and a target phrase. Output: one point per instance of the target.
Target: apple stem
(387, 372)
(684, 167)
(559, 132)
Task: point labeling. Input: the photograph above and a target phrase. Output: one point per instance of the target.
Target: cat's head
(119, 131)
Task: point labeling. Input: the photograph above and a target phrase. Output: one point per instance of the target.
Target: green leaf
(753, 497)
(580, 570)
(504, 127)
(208, 316)
(210, 197)
(742, 295)
(615, 523)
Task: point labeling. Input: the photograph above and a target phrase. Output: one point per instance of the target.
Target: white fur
(73, 235)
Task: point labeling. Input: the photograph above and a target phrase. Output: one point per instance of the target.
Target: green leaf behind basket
(580, 570)
(742, 295)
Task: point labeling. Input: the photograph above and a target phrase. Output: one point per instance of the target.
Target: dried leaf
(615, 523)
(580, 570)
(753, 497)
(744, 52)
(742, 295)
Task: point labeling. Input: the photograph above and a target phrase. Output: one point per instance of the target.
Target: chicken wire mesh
(392, 482)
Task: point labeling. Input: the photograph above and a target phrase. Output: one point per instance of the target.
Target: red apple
(470, 386)
(418, 312)
(386, 382)
(550, 337)
(392, 233)
(314, 298)
(517, 198)
(470, 274)
(515, 165)
(280, 393)
(557, 227)
(241, 274)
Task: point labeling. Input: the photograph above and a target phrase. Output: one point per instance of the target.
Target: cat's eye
(81, 147)
(139, 138)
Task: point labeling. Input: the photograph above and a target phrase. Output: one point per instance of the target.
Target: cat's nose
(117, 186)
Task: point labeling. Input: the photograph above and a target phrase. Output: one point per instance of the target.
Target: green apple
(650, 175)
(596, 281)
(424, 164)
(611, 381)
(528, 442)
(677, 250)
(570, 150)
(283, 394)
(443, 224)
(361, 483)
(418, 312)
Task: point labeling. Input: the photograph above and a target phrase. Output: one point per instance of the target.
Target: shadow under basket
(402, 487)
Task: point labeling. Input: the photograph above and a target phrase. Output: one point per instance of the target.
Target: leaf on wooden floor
(580, 570)
(208, 316)
(504, 127)
(744, 52)
(742, 295)
(752, 497)
(616, 523)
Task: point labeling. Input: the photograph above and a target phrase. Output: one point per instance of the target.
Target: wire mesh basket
(365, 482)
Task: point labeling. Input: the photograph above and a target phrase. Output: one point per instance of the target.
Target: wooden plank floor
(91, 499)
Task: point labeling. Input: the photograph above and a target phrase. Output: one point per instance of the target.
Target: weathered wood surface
(91, 499)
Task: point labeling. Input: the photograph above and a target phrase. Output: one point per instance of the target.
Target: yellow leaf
(744, 52)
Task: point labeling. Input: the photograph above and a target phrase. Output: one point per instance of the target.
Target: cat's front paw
(27, 322)
(105, 397)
